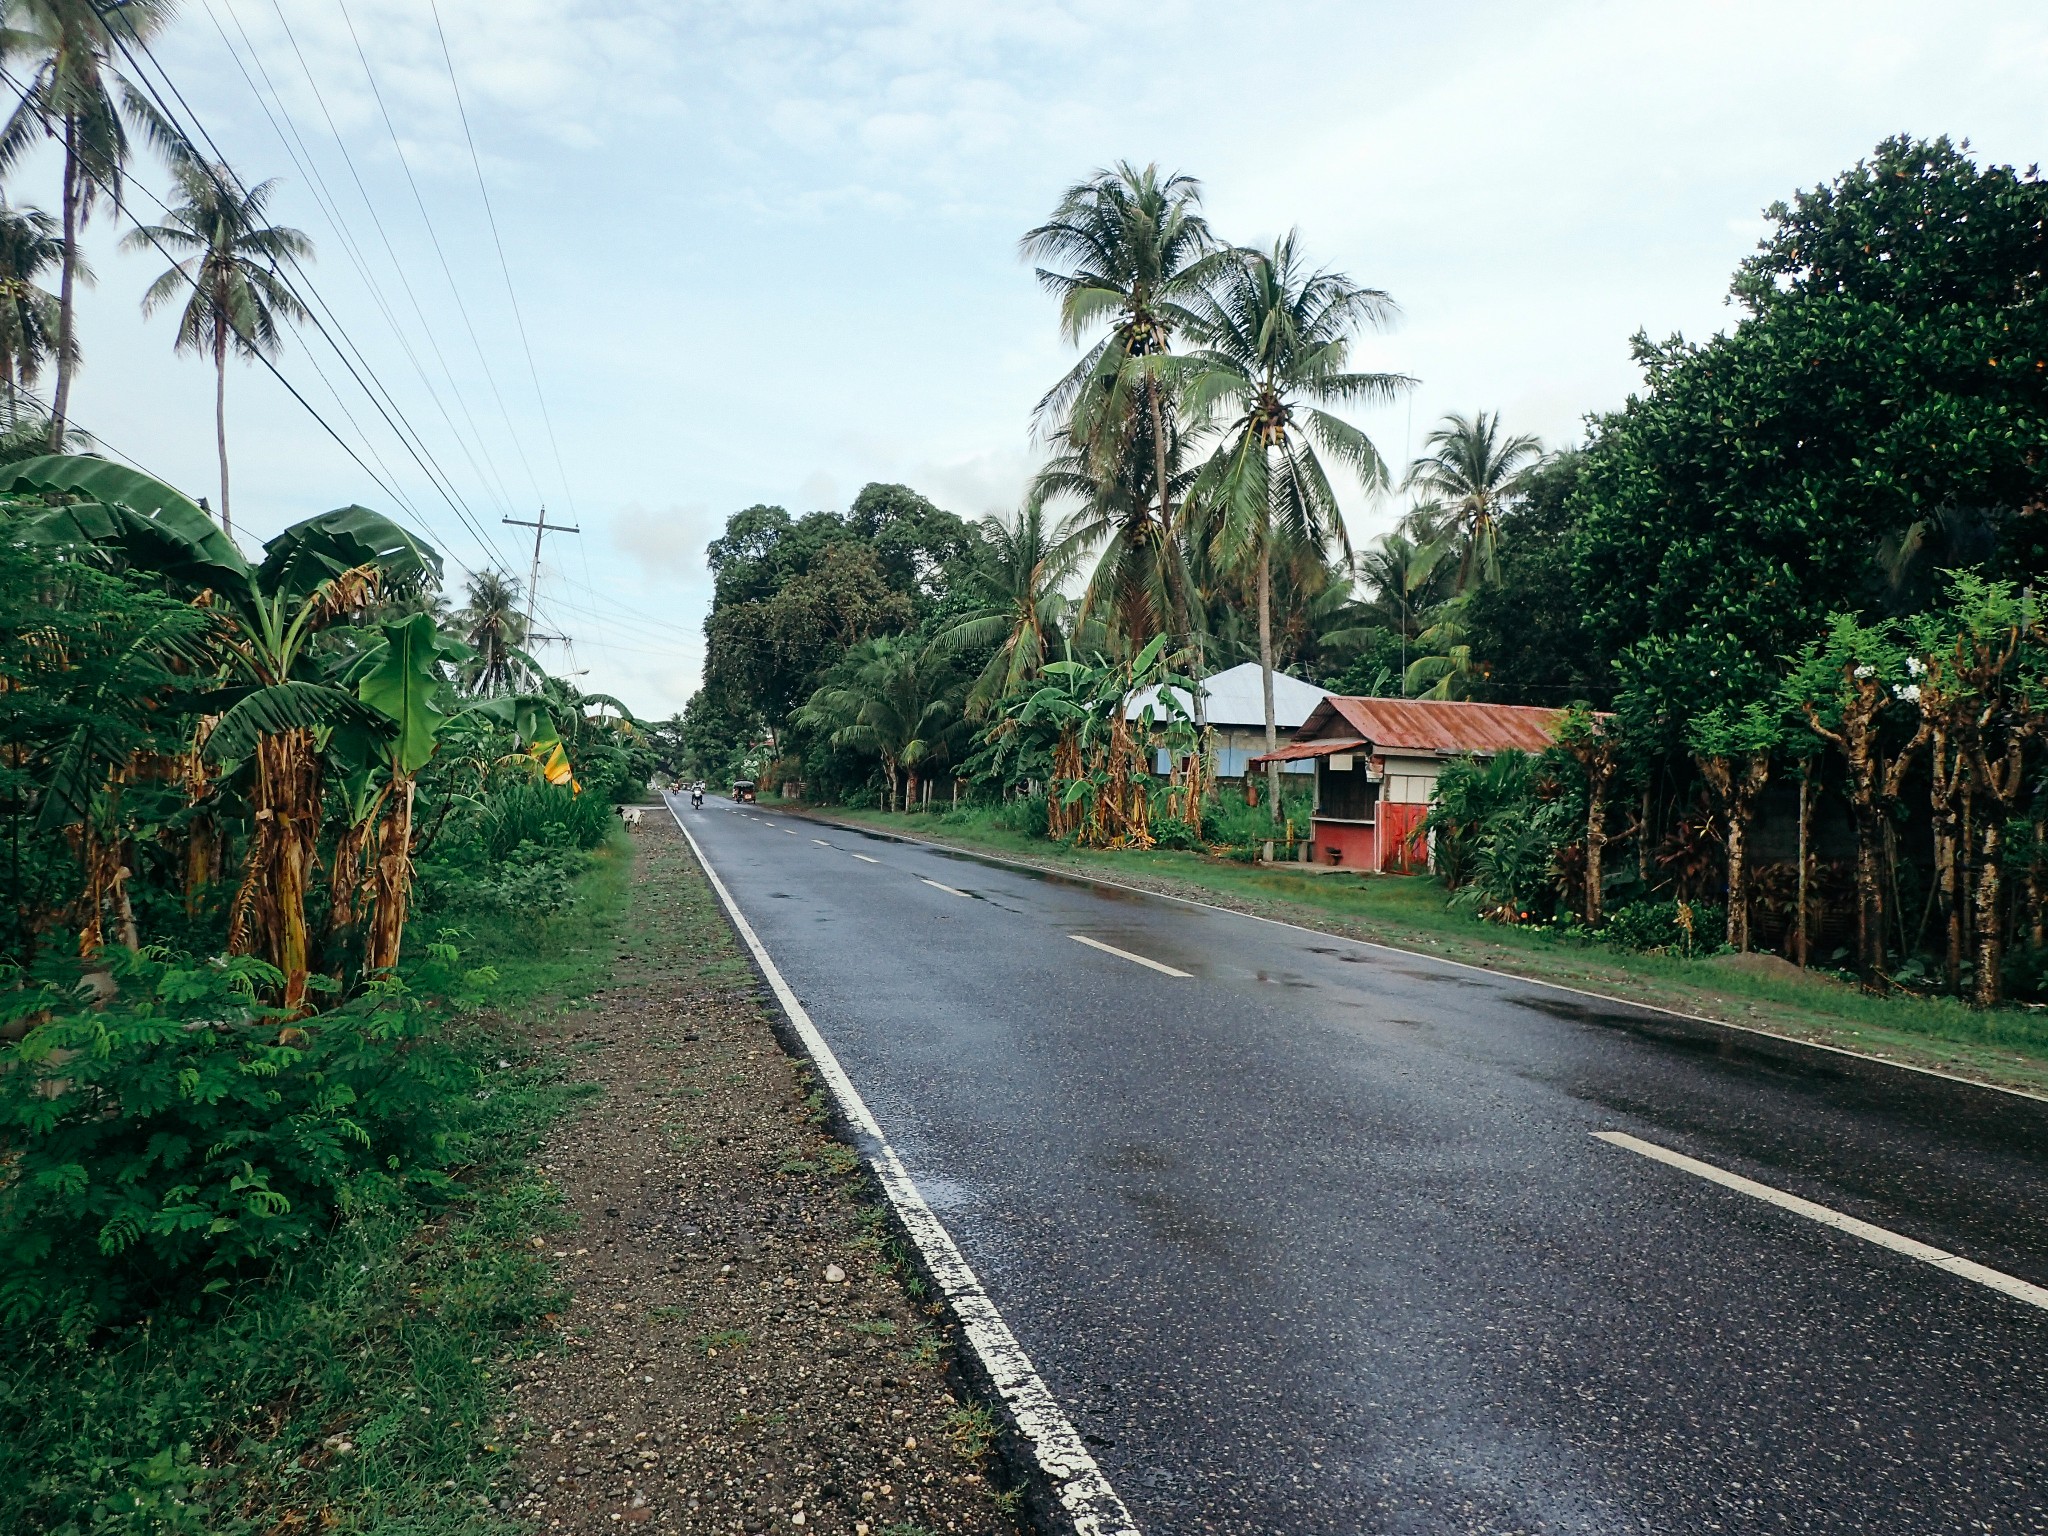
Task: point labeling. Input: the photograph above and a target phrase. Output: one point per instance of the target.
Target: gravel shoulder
(744, 1348)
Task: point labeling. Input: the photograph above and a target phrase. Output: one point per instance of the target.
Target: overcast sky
(767, 252)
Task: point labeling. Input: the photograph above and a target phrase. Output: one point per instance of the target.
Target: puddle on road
(1702, 1039)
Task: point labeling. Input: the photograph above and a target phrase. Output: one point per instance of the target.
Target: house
(1237, 714)
(1376, 762)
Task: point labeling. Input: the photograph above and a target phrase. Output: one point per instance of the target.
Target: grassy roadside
(2008, 1047)
(352, 1391)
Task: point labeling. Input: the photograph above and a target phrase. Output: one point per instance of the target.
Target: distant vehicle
(743, 791)
(697, 797)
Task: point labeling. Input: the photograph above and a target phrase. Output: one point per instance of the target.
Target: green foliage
(543, 815)
(1887, 373)
(168, 1140)
(1681, 928)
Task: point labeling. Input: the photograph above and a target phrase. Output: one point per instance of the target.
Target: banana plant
(273, 709)
(408, 679)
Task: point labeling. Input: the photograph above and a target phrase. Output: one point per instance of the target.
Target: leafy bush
(1669, 927)
(546, 815)
(183, 1131)
(530, 881)
(1511, 863)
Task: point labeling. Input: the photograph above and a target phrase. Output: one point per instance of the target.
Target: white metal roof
(1235, 699)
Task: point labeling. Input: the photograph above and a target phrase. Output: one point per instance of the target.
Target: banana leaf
(286, 707)
(308, 553)
(150, 524)
(405, 685)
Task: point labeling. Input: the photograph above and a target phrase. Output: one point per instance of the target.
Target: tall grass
(546, 815)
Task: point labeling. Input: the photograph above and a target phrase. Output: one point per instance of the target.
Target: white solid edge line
(1125, 954)
(1423, 954)
(1085, 1493)
(865, 859)
(949, 890)
(1912, 1248)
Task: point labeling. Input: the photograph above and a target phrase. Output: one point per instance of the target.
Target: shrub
(154, 1147)
(1668, 927)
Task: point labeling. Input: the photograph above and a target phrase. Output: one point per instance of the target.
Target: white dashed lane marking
(946, 888)
(865, 859)
(1912, 1248)
(1124, 954)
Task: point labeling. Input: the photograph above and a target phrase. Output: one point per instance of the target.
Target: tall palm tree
(1448, 670)
(1140, 584)
(29, 247)
(1273, 347)
(68, 94)
(1467, 471)
(1019, 583)
(233, 294)
(1134, 252)
(1404, 577)
(495, 629)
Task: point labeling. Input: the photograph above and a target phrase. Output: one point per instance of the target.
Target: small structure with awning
(1376, 763)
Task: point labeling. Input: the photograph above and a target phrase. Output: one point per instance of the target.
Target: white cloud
(755, 244)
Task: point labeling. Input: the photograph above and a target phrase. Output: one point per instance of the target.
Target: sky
(768, 253)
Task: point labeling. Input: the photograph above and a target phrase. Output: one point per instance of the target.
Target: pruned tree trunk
(391, 879)
(1990, 949)
(1738, 797)
(1802, 943)
(1872, 787)
(269, 913)
(1266, 680)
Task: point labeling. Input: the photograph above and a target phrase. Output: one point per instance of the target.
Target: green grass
(2005, 1045)
(393, 1337)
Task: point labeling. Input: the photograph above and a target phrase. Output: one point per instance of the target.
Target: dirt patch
(1757, 963)
(742, 1351)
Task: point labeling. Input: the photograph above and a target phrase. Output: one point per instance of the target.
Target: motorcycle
(696, 799)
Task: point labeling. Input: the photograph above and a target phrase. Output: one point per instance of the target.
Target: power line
(504, 266)
(434, 236)
(398, 266)
(435, 476)
(302, 158)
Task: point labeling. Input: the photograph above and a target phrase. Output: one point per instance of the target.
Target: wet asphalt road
(1319, 1239)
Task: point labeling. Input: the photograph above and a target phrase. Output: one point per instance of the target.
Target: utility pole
(540, 528)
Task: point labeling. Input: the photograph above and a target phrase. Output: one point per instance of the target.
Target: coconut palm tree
(29, 247)
(1140, 582)
(1134, 252)
(1467, 471)
(1449, 670)
(1273, 347)
(68, 88)
(232, 292)
(1404, 578)
(1020, 583)
(494, 628)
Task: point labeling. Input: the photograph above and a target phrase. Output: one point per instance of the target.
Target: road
(1319, 1236)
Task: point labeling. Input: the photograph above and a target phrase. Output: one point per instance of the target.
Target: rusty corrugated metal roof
(1433, 726)
(1322, 746)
